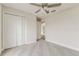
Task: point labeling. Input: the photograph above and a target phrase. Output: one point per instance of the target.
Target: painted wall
(31, 28)
(0, 27)
(63, 28)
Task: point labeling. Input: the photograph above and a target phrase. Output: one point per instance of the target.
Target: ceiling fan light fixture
(46, 6)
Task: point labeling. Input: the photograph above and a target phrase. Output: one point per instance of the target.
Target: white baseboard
(63, 45)
(1, 51)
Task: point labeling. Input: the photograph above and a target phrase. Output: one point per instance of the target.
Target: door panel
(19, 31)
(9, 31)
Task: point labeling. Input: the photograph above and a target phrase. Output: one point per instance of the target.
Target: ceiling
(26, 7)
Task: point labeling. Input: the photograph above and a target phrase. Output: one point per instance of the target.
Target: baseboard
(63, 45)
(1, 51)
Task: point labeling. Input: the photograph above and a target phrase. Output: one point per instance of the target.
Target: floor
(41, 48)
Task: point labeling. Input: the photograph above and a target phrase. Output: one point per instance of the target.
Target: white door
(9, 31)
(19, 31)
(12, 31)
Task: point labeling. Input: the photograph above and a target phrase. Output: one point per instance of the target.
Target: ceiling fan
(45, 6)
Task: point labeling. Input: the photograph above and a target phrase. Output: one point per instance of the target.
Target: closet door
(9, 31)
(13, 31)
(19, 38)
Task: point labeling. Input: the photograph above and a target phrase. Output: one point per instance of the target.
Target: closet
(19, 28)
(12, 30)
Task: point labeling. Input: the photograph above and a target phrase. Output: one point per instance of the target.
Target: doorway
(40, 29)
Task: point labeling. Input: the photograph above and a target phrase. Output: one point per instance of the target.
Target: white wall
(0, 28)
(63, 28)
(31, 28)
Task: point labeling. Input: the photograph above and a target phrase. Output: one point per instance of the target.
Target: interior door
(9, 31)
(19, 31)
(13, 31)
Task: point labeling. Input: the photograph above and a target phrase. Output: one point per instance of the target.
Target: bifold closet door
(9, 31)
(19, 28)
(12, 31)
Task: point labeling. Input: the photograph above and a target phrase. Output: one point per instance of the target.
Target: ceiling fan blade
(54, 5)
(35, 4)
(53, 10)
(37, 10)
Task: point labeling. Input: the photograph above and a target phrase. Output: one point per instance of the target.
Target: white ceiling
(26, 7)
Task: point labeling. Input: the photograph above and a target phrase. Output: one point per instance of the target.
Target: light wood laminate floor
(41, 48)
